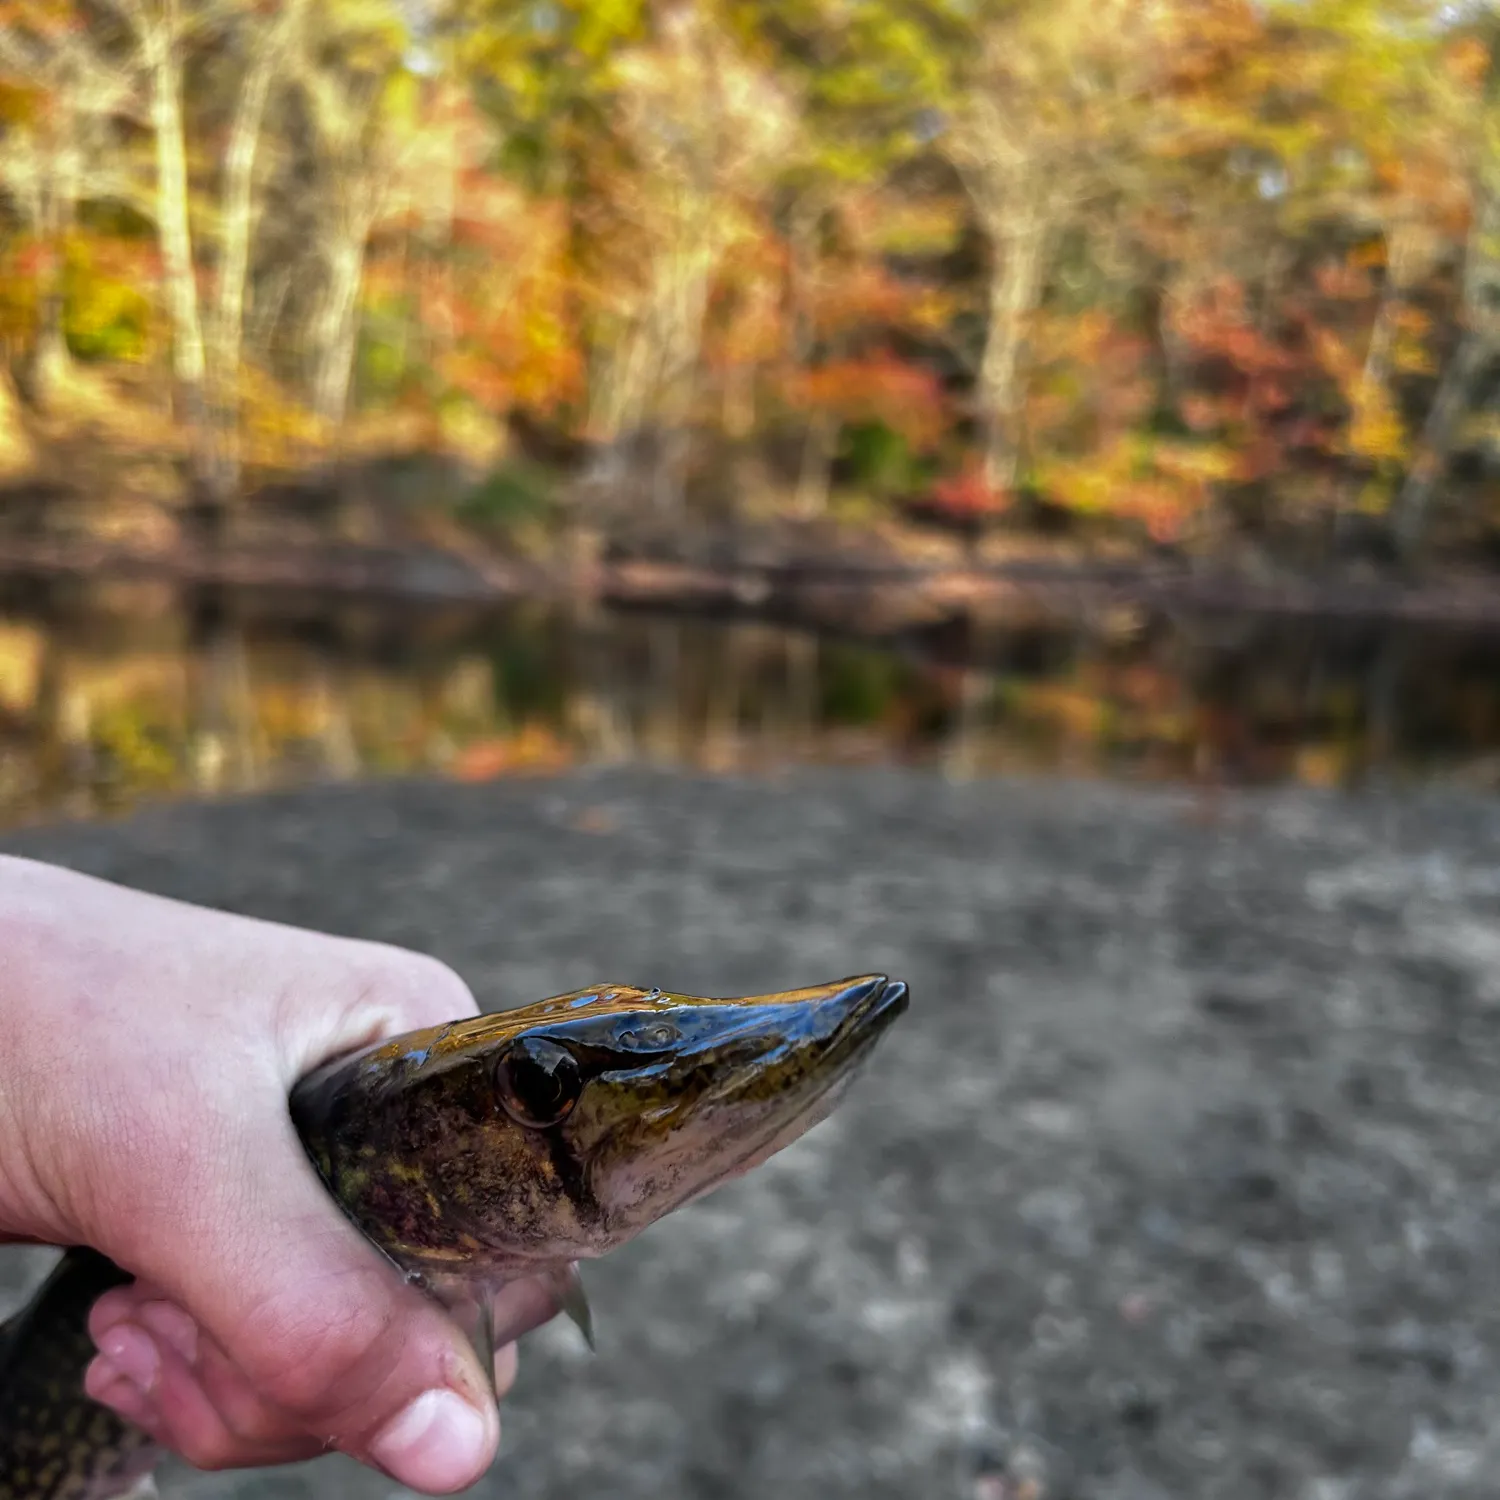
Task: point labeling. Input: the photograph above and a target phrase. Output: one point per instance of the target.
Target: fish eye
(653, 1037)
(538, 1082)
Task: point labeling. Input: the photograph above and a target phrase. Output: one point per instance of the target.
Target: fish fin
(567, 1284)
(484, 1342)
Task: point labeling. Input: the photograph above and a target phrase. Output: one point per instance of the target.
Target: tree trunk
(616, 400)
(1400, 255)
(819, 441)
(175, 234)
(1015, 289)
(237, 211)
(259, 327)
(1478, 346)
(17, 452)
(1402, 240)
(815, 475)
(684, 307)
(338, 328)
(1413, 505)
(48, 366)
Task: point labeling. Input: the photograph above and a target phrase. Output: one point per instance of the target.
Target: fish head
(522, 1140)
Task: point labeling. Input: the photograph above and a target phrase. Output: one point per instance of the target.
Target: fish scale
(478, 1153)
(54, 1443)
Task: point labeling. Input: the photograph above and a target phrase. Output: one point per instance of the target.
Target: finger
(240, 1406)
(507, 1363)
(242, 1409)
(148, 1382)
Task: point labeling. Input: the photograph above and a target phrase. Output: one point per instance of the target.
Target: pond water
(109, 701)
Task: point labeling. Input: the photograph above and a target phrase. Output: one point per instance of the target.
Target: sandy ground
(1178, 1179)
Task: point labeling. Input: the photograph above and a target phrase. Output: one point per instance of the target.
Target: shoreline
(869, 598)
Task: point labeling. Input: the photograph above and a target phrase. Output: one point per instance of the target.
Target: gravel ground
(1176, 1180)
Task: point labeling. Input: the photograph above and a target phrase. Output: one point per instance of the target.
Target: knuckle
(436, 982)
(372, 991)
(419, 985)
(254, 1422)
(112, 1307)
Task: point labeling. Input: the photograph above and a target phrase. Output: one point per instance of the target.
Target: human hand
(149, 1050)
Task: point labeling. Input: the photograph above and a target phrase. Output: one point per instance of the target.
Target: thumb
(309, 1332)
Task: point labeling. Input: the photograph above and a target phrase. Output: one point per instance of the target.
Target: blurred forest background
(1222, 275)
(512, 292)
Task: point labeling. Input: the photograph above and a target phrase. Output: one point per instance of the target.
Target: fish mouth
(870, 1003)
(862, 1010)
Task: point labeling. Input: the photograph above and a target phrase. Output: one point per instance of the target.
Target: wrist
(33, 903)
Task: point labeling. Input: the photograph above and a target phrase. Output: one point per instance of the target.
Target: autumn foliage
(1174, 270)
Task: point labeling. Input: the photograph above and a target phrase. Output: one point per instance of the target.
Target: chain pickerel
(513, 1144)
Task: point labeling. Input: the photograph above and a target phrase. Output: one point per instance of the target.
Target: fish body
(511, 1145)
(55, 1444)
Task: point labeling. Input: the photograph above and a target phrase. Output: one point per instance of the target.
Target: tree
(1048, 108)
(1476, 60)
(160, 29)
(69, 92)
(267, 45)
(703, 127)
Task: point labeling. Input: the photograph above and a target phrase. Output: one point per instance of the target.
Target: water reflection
(99, 708)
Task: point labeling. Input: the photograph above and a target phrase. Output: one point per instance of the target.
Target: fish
(477, 1155)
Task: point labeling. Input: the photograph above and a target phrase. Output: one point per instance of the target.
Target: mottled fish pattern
(55, 1444)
